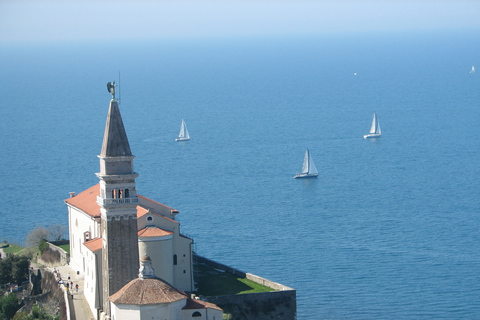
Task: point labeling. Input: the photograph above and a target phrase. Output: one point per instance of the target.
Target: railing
(120, 201)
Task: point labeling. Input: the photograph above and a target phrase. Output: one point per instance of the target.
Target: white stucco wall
(206, 314)
(92, 284)
(164, 311)
(160, 251)
(182, 272)
(80, 222)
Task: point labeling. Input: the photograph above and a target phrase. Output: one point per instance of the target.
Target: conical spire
(115, 141)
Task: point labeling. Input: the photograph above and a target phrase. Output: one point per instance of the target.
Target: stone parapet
(279, 304)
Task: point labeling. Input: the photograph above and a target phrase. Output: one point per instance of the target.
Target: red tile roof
(87, 202)
(147, 291)
(141, 211)
(153, 201)
(199, 304)
(153, 232)
(94, 244)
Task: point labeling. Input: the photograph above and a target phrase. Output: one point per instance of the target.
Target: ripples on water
(390, 228)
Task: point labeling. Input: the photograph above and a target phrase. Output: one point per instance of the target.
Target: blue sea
(390, 229)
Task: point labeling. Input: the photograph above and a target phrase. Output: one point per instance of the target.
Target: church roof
(141, 211)
(147, 291)
(115, 141)
(199, 304)
(153, 232)
(94, 244)
(158, 203)
(87, 202)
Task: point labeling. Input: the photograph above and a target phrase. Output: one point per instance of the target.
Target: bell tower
(118, 201)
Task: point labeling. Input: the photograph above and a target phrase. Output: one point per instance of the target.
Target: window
(127, 193)
(174, 259)
(86, 236)
(149, 218)
(196, 314)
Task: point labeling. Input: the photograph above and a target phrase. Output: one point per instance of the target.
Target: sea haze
(389, 229)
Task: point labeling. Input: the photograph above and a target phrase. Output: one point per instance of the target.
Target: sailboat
(183, 135)
(375, 131)
(308, 170)
(473, 69)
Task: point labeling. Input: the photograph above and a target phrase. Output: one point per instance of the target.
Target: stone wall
(280, 304)
(64, 256)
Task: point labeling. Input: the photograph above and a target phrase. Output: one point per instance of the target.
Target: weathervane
(111, 88)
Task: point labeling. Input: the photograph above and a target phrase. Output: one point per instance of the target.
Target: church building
(112, 229)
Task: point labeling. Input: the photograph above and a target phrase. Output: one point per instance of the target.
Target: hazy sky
(55, 20)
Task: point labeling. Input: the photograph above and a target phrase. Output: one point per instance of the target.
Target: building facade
(111, 227)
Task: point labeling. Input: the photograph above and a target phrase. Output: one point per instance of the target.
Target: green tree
(9, 306)
(43, 245)
(6, 270)
(14, 269)
(20, 269)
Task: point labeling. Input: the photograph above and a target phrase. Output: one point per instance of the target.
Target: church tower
(118, 202)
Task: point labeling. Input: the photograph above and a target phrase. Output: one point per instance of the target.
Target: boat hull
(372, 135)
(305, 175)
(182, 139)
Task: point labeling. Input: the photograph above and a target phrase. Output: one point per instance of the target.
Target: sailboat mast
(308, 161)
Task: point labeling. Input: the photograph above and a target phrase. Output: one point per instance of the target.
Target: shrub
(14, 269)
(9, 306)
(43, 245)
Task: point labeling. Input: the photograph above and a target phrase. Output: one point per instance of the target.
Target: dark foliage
(14, 269)
(9, 306)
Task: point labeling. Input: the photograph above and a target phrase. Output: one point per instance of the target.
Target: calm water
(390, 229)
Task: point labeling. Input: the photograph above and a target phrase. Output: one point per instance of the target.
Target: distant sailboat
(375, 131)
(183, 135)
(309, 170)
(473, 69)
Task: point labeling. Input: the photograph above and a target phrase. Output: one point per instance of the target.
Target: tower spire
(115, 141)
(118, 201)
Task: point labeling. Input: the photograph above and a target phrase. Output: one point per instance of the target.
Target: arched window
(114, 194)
(196, 314)
(174, 259)
(120, 193)
(127, 193)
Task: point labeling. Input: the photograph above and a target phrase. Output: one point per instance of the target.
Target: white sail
(473, 69)
(312, 169)
(306, 162)
(375, 131)
(183, 134)
(309, 170)
(373, 128)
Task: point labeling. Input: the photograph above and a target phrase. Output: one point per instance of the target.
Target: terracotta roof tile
(94, 244)
(153, 232)
(87, 202)
(158, 203)
(199, 304)
(147, 291)
(141, 211)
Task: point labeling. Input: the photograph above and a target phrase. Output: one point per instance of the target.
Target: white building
(111, 227)
(148, 297)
